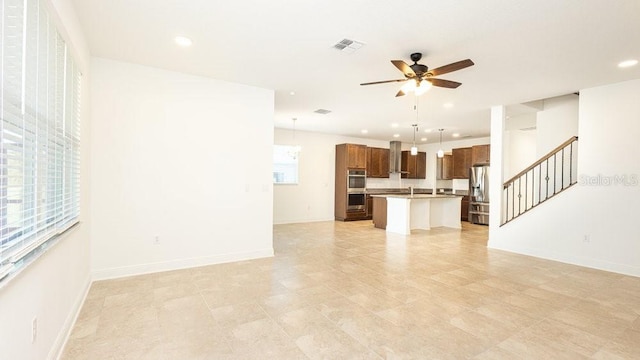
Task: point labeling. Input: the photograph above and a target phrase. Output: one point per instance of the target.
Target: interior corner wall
(592, 224)
(53, 287)
(556, 123)
(181, 170)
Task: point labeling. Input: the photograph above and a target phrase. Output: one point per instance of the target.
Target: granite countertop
(416, 196)
(397, 191)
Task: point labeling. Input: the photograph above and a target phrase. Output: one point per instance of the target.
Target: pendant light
(295, 149)
(414, 148)
(441, 152)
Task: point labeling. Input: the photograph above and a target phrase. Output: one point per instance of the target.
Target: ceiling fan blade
(400, 93)
(450, 68)
(443, 83)
(384, 81)
(402, 66)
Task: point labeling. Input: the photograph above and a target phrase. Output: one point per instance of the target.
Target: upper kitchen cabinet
(377, 162)
(445, 167)
(356, 156)
(480, 154)
(414, 166)
(461, 163)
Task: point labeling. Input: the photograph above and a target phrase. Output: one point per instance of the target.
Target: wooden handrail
(542, 159)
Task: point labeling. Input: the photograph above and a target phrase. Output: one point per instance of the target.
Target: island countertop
(417, 196)
(402, 213)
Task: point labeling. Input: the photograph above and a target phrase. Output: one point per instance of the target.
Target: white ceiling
(523, 50)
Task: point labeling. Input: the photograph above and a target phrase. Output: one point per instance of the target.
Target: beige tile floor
(348, 291)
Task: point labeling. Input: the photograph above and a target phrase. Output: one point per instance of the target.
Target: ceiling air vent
(348, 46)
(322, 111)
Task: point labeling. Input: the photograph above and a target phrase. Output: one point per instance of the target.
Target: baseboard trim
(63, 336)
(124, 271)
(573, 260)
(300, 221)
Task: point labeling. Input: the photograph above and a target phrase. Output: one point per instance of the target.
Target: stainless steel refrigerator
(479, 194)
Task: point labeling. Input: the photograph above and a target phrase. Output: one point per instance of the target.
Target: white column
(497, 160)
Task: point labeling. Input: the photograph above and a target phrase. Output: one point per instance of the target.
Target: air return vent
(348, 46)
(322, 111)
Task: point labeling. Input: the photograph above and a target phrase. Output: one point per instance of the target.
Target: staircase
(544, 179)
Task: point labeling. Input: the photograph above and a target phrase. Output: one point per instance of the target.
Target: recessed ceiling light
(364, 131)
(292, 93)
(396, 135)
(394, 125)
(427, 130)
(447, 105)
(455, 135)
(183, 41)
(627, 63)
(423, 139)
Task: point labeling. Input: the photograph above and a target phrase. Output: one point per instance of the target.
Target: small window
(285, 164)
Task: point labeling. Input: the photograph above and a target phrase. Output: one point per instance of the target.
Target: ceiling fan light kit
(423, 78)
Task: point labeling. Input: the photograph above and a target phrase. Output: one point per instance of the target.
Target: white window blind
(39, 133)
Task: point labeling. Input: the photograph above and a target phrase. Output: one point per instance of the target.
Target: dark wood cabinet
(480, 154)
(369, 206)
(464, 209)
(356, 156)
(377, 162)
(415, 166)
(445, 167)
(461, 162)
(348, 156)
(380, 212)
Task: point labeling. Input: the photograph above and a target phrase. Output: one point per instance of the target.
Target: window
(39, 133)
(285, 164)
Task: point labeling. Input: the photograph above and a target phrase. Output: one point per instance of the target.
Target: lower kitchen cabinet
(464, 209)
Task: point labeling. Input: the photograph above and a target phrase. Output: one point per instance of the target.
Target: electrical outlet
(156, 239)
(586, 239)
(34, 329)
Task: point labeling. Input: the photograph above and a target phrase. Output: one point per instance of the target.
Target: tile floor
(348, 291)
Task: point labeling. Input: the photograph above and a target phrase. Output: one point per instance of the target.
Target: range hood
(395, 155)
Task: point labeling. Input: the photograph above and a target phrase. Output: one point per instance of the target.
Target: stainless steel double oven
(356, 189)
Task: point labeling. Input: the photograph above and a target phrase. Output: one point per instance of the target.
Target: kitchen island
(403, 213)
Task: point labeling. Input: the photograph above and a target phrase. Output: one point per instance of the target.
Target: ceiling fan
(422, 77)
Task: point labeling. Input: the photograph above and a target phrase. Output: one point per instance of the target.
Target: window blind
(39, 133)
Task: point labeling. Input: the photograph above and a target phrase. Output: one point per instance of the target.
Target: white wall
(520, 145)
(53, 287)
(592, 224)
(182, 158)
(520, 151)
(556, 123)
